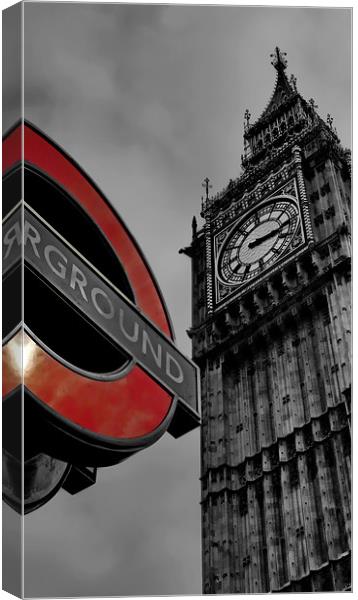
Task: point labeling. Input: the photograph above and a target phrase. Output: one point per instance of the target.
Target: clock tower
(271, 334)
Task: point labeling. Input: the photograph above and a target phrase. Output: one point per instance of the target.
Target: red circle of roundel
(133, 406)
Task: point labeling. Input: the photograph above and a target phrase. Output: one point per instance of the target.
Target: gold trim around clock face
(258, 240)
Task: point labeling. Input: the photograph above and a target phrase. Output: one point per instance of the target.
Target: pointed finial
(329, 120)
(312, 104)
(293, 82)
(247, 117)
(206, 184)
(194, 227)
(278, 59)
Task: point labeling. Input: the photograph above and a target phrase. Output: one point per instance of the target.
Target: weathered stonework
(275, 369)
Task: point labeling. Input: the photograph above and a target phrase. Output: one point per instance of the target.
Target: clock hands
(259, 241)
(267, 236)
(254, 242)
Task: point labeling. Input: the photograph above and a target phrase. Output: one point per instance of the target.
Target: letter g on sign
(111, 413)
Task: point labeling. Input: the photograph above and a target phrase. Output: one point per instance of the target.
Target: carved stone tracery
(274, 359)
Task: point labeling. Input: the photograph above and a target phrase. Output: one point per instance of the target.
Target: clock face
(258, 241)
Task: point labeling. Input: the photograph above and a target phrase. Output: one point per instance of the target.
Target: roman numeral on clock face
(237, 268)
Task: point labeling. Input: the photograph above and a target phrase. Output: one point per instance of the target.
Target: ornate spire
(278, 60)
(247, 117)
(207, 185)
(282, 92)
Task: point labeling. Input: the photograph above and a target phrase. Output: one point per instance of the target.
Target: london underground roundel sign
(99, 361)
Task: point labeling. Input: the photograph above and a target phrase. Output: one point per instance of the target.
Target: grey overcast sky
(150, 100)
